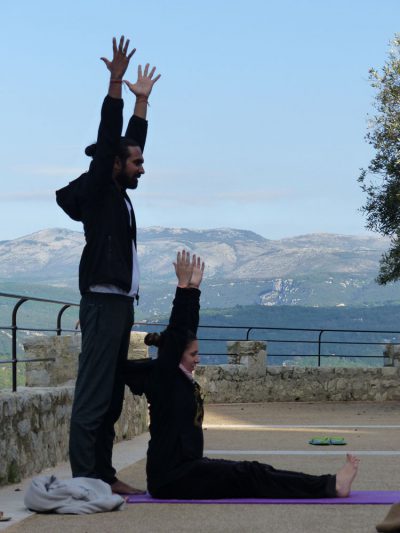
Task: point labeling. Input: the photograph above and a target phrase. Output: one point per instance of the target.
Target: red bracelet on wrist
(143, 100)
(116, 81)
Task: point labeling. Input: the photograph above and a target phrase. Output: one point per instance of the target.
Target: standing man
(108, 271)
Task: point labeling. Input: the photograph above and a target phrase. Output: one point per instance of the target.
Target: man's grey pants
(106, 321)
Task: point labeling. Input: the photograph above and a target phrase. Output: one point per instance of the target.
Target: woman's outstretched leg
(218, 478)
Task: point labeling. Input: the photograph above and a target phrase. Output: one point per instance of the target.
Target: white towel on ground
(79, 495)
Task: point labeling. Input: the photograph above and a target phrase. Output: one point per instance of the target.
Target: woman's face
(190, 357)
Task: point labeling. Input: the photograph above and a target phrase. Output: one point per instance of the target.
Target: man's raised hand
(120, 61)
(144, 84)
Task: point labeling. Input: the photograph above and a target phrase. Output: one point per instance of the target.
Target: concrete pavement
(275, 433)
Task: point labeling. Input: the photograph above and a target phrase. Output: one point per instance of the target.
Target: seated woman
(175, 466)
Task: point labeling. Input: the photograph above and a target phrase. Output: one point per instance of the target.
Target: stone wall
(249, 379)
(34, 422)
(34, 428)
(233, 383)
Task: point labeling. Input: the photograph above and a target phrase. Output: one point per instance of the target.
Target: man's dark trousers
(106, 321)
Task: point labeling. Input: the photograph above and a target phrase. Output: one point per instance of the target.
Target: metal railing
(319, 332)
(14, 328)
(241, 333)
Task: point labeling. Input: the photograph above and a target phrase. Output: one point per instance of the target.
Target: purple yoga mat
(370, 497)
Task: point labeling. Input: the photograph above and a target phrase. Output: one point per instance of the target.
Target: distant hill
(242, 267)
(307, 280)
(234, 254)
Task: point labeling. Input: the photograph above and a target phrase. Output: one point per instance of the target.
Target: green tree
(381, 180)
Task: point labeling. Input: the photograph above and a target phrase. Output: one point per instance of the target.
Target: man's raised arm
(137, 127)
(109, 134)
(117, 66)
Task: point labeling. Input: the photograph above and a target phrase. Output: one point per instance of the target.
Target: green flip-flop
(320, 441)
(337, 441)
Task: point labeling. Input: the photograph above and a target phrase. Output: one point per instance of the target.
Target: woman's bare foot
(346, 475)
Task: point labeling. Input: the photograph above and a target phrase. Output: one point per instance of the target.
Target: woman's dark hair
(154, 339)
(157, 339)
(123, 152)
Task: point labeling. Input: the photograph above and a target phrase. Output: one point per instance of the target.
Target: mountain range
(229, 253)
(243, 268)
(318, 280)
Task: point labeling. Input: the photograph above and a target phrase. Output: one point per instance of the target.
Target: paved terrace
(275, 433)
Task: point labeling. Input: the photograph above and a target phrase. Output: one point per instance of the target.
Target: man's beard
(127, 182)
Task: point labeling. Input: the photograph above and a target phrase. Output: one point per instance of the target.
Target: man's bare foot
(119, 487)
(346, 475)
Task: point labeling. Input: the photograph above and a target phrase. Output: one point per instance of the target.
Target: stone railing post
(252, 354)
(137, 347)
(391, 355)
(65, 351)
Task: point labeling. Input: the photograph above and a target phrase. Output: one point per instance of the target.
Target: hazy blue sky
(258, 121)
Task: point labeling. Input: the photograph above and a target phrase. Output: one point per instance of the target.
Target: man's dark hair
(123, 152)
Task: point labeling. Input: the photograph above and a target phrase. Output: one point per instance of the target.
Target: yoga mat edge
(355, 498)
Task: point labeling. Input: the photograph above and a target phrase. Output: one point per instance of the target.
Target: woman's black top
(176, 406)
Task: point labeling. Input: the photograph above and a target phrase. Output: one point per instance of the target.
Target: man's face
(127, 175)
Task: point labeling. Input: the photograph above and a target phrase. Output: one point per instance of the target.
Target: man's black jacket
(94, 199)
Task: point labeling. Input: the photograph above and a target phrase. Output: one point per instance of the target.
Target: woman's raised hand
(188, 271)
(197, 272)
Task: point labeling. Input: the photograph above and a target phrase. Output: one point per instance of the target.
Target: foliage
(382, 207)
(6, 375)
